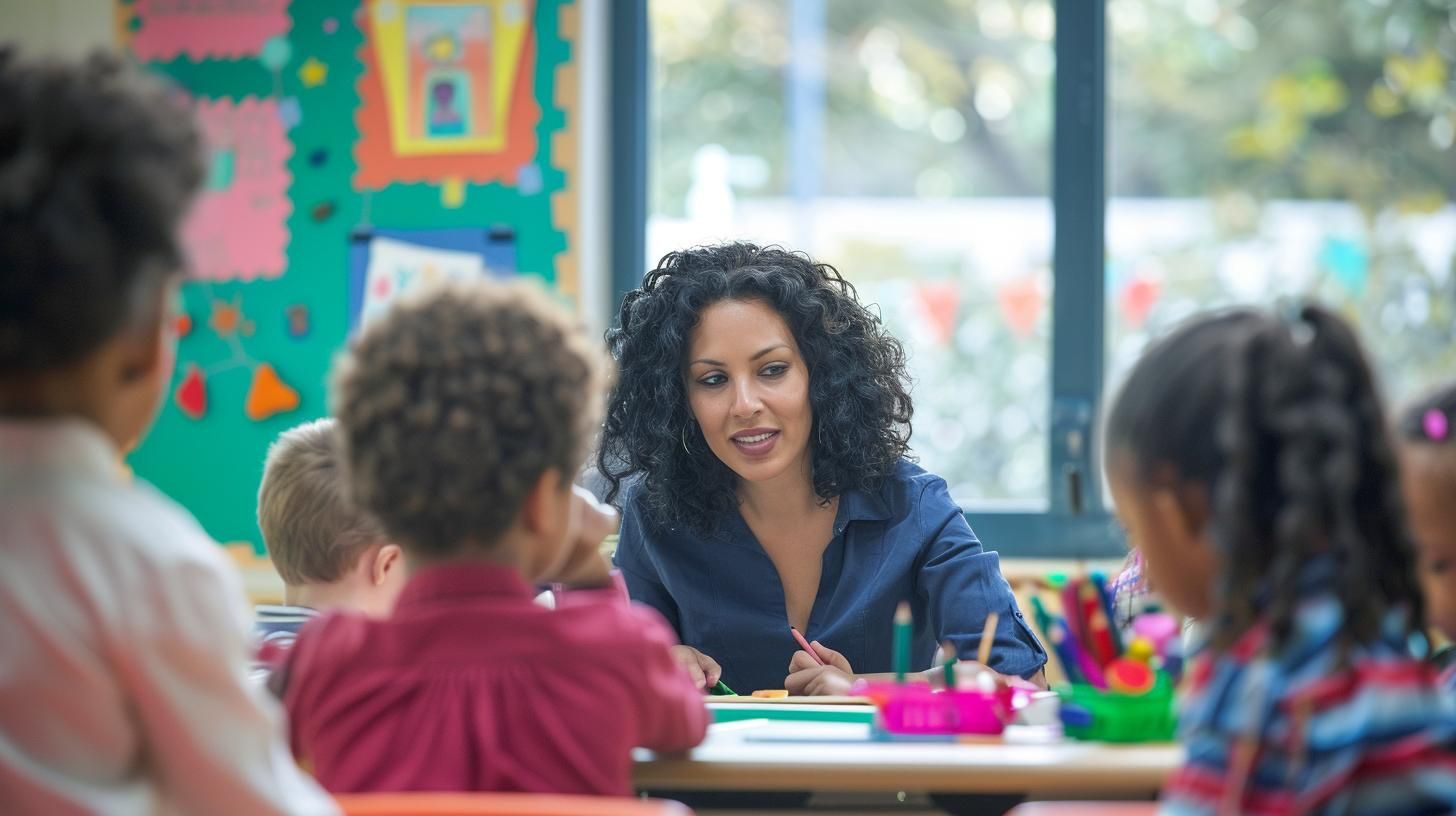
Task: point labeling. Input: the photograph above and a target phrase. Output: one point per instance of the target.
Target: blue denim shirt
(908, 541)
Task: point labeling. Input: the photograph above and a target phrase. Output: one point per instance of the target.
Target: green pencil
(902, 640)
(722, 690)
(947, 651)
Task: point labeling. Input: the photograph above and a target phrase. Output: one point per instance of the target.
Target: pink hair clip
(1436, 425)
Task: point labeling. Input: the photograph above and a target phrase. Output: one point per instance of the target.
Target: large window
(1275, 147)
(909, 145)
(1254, 148)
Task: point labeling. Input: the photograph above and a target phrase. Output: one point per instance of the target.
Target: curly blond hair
(453, 405)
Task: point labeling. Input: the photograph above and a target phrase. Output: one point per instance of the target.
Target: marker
(901, 655)
(804, 644)
(1105, 595)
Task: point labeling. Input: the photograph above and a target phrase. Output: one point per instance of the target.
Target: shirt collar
(68, 445)
(861, 505)
(460, 580)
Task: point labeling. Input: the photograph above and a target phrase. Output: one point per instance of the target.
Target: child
(125, 656)
(1428, 470)
(1250, 463)
(328, 553)
(464, 413)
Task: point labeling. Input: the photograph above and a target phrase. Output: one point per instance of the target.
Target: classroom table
(764, 755)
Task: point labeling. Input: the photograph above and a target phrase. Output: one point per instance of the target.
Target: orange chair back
(1085, 809)
(503, 804)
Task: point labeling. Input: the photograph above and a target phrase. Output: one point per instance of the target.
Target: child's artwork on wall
(446, 91)
(166, 29)
(239, 227)
(387, 264)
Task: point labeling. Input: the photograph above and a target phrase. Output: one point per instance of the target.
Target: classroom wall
(266, 310)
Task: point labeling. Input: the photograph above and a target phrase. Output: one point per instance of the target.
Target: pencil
(988, 637)
(902, 640)
(947, 651)
(804, 644)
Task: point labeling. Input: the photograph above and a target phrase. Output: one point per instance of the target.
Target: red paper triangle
(191, 395)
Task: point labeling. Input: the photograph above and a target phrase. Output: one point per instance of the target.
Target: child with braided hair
(1427, 432)
(1250, 461)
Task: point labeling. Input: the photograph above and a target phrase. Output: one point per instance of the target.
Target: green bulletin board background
(212, 465)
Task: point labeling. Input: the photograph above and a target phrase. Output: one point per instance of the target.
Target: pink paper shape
(241, 231)
(172, 27)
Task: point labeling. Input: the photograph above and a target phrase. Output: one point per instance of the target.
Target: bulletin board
(337, 129)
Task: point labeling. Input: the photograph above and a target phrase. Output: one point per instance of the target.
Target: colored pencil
(1058, 637)
(1098, 639)
(804, 644)
(948, 652)
(722, 690)
(902, 641)
(1072, 609)
(988, 639)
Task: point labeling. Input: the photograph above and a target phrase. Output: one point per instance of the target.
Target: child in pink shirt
(463, 414)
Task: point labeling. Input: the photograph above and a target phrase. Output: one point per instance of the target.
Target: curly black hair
(1279, 415)
(98, 163)
(858, 387)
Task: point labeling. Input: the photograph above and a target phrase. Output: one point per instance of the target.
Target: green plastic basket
(1116, 717)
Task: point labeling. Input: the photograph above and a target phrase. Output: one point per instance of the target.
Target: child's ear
(144, 351)
(547, 504)
(387, 558)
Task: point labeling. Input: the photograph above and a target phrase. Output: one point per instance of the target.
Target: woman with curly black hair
(756, 443)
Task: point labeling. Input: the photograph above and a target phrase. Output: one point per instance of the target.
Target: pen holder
(1115, 717)
(916, 708)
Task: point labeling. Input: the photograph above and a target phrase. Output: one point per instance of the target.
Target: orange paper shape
(226, 317)
(191, 395)
(939, 302)
(1021, 303)
(269, 395)
(1138, 298)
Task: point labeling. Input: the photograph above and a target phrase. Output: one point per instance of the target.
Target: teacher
(756, 442)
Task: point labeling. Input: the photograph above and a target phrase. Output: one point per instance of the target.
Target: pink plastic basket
(916, 708)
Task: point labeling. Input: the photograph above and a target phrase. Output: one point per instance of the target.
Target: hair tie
(1435, 425)
(1292, 314)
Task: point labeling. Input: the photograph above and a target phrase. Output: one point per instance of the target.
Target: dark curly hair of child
(1278, 415)
(858, 386)
(454, 404)
(98, 165)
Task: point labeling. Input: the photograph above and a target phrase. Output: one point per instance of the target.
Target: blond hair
(313, 530)
(453, 405)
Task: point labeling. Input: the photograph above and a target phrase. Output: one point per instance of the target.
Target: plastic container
(916, 708)
(1115, 717)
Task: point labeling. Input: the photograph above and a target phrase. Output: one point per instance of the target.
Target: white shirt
(124, 647)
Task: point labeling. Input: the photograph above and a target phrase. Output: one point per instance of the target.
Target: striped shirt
(1301, 731)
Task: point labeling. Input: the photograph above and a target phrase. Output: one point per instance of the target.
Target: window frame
(1072, 526)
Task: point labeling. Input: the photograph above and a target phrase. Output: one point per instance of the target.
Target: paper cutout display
(191, 395)
(298, 322)
(313, 73)
(1021, 303)
(269, 395)
(165, 29)
(239, 226)
(446, 91)
(1137, 300)
(396, 267)
(1348, 261)
(939, 302)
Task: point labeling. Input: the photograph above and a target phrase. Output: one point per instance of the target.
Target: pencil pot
(916, 708)
(1115, 717)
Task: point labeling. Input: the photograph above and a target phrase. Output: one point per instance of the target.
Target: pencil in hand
(804, 644)
(988, 638)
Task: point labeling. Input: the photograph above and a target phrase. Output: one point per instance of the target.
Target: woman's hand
(807, 677)
(704, 670)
